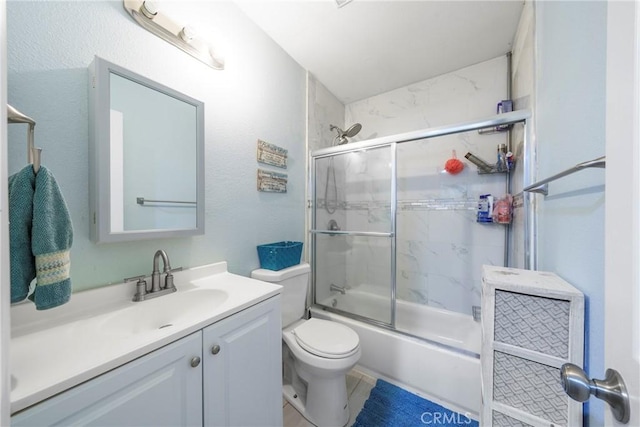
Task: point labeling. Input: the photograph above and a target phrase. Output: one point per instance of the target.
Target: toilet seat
(326, 339)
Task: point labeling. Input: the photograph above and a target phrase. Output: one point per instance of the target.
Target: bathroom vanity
(208, 354)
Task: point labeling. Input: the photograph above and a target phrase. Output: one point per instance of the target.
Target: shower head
(341, 137)
(353, 130)
(334, 127)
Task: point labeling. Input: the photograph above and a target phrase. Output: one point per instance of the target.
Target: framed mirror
(146, 157)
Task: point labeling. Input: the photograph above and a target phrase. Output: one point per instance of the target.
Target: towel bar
(33, 153)
(142, 201)
(542, 186)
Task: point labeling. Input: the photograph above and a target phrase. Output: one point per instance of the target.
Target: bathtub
(433, 352)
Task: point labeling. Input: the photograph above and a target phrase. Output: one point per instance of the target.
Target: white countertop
(101, 329)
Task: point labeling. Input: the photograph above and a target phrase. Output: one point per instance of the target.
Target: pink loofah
(453, 165)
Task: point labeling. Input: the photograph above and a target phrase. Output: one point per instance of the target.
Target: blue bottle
(485, 208)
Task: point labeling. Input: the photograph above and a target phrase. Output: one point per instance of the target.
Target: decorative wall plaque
(272, 182)
(273, 155)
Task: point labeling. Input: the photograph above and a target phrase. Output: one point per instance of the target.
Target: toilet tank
(295, 283)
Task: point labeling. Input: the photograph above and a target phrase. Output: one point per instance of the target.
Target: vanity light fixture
(341, 3)
(147, 14)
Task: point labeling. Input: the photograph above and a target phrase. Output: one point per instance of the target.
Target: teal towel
(22, 262)
(50, 235)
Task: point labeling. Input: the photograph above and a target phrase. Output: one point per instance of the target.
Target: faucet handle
(141, 287)
(138, 278)
(168, 280)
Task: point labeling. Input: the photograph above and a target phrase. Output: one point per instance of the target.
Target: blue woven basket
(276, 256)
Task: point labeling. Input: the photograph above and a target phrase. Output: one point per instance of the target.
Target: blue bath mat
(392, 406)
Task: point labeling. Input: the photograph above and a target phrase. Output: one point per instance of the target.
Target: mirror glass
(147, 142)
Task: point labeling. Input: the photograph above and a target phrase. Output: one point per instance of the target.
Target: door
(622, 214)
(163, 388)
(242, 368)
(5, 294)
(353, 232)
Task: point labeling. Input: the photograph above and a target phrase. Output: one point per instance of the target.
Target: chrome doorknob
(611, 389)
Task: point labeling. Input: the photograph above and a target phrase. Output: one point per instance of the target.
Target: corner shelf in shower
(493, 171)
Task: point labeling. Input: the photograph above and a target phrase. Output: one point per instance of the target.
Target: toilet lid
(326, 339)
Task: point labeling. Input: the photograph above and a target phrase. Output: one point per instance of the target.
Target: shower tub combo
(396, 253)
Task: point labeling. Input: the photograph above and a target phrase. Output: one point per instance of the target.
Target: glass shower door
(353, 232)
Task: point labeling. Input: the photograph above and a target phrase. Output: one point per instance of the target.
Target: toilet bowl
(325, 400)
(317, 354)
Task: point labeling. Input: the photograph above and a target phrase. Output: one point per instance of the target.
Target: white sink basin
(166, 311)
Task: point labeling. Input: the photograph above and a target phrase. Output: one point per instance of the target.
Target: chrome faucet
(341, 289)
(155, 274)
(156, 288)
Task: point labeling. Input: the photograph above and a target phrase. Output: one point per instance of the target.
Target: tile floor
(359, 386)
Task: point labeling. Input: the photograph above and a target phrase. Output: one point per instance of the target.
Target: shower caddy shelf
(493, 172)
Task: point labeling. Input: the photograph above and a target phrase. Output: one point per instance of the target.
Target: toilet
(317, 354)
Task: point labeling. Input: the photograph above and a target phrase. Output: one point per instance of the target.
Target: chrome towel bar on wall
(142, 201)
(33, 153)
(542, 186)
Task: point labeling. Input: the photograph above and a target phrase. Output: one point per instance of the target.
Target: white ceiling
(369, 47)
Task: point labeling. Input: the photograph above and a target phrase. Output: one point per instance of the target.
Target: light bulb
(149, 9)
(188, 34)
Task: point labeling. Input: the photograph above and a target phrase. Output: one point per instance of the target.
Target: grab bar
(542, 186)
(142, 201)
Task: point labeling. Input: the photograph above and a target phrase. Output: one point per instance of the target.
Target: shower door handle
(611, 389)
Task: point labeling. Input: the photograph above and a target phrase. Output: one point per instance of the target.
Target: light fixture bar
(151, 19)
(341, 3)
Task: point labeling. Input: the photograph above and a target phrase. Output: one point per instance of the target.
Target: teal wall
(570, 128)
(260, 94)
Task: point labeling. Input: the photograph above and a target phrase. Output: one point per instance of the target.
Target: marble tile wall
(455, 97)
(323, 110)
(440, 247)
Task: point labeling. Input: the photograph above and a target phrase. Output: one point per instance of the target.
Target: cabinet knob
(215, 349)
(195, 362)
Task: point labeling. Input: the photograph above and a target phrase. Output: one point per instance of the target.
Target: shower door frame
(391, 234)
(529, 172)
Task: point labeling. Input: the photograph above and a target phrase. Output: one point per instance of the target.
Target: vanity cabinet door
(159, 389)
(243, 368)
